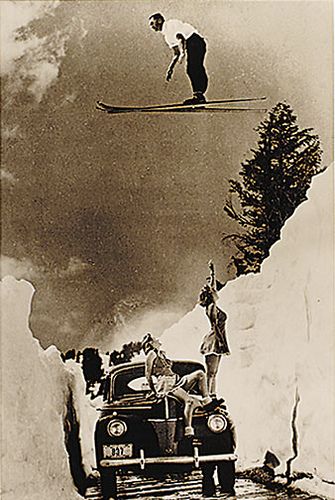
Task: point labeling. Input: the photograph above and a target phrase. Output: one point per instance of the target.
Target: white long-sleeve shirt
(172, 27)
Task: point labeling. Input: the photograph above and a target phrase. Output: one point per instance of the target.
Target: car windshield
(130, 381)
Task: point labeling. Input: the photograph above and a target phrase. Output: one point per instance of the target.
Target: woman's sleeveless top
(162, 366)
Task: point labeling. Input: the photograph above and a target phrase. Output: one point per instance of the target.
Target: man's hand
(169, 74)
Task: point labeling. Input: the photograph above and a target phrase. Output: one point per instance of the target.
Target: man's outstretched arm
(174, 61)
(179, 54)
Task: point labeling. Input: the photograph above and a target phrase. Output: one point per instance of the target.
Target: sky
(114, 218)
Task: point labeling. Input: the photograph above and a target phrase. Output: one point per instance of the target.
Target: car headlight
(116, 428)
(217, 423)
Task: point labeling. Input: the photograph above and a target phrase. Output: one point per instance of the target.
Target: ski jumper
(195, 50)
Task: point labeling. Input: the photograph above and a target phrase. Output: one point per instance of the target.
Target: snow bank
(35, 391)
(280, 328)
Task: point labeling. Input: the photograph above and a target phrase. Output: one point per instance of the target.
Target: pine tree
(274, 182)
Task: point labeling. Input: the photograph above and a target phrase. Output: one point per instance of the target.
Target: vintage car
(137, 434)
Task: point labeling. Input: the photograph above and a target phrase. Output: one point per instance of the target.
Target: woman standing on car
(214, 344)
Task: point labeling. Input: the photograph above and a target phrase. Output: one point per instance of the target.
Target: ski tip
(102, 104)
(100, 108)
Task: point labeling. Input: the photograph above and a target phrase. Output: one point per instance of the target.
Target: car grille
(166, 434)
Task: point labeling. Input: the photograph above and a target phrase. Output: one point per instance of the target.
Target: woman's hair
(156, 16)
(150, 341)
(206, 295)
(147, 340)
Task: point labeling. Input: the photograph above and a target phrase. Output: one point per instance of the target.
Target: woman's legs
(199, 379)
(190, 403)
(212, 365)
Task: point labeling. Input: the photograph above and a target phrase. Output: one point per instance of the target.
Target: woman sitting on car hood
(167, 382)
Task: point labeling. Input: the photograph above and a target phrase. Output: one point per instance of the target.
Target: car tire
(108, 484)
(226, 476)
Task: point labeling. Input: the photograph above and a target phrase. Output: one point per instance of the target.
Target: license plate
(117, 450)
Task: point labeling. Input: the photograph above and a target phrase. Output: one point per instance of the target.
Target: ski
(183, 110)
(138, 109)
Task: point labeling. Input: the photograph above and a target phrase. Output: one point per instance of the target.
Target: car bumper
(196, 460)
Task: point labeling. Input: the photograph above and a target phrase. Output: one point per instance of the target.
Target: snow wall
(36, 391)
(281, 334)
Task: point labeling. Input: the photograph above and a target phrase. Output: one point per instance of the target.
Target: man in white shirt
(184, 39)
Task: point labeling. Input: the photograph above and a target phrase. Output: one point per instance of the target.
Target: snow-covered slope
(281, 333)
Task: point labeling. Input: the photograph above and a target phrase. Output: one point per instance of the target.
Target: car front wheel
(108, 484)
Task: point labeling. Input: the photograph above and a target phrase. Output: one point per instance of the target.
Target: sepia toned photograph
(167, 250)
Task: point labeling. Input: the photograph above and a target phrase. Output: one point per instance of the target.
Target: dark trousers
(196, 50)
(226, 476)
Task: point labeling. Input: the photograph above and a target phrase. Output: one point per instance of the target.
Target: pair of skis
(209, 106)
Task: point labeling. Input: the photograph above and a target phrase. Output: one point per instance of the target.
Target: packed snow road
(135, 487)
